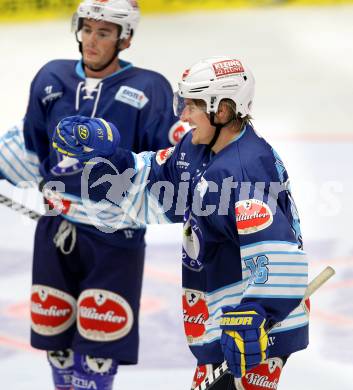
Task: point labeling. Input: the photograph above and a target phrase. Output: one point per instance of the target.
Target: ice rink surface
(303, 63)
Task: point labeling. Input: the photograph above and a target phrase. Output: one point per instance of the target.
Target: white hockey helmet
(125, 13)
(214, 79)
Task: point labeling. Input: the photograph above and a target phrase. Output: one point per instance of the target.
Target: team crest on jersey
(52, 311)
(192, 237)
(66, 166)
(195, 315)
(177, 132)
(163, 155)
(103, 315)
(132, 96)
(252, 215)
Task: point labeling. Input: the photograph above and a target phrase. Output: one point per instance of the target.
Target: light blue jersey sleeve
(17, 163)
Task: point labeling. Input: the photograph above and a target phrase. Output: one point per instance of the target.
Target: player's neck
(226, 136)
(110, 69)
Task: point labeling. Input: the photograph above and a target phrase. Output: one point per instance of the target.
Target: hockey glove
(84, 138)
(244, 339)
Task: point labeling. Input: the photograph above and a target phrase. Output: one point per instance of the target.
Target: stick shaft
(8, 202)
(318, 281)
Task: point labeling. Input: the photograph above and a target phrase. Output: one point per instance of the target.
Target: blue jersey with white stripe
(137, 101)
(241, 241)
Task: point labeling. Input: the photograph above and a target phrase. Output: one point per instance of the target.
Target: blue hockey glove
(244, 340)
(84, 138)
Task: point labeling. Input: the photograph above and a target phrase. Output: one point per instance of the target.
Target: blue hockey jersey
(241, 240)
(137, 101)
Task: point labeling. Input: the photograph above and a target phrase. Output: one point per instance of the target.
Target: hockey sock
(62, 363)
(93, 373)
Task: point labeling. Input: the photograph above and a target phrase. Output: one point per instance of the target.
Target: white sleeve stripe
(270, 247)
(9, 172)
(277, 280)
(288, 274)
(228, 287)
(291, 253)
(272, 296)
(22, 165)
(279, 285)
(292, 244)
(31, 158)
(137, 202)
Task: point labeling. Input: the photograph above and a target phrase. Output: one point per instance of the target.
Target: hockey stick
(220, 371)
(8, 202)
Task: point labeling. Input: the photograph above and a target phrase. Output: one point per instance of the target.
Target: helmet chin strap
(219, 127)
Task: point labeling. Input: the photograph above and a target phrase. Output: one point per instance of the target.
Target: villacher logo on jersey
(252, 215)
(199, 319)
(261, 381)
(195, 313)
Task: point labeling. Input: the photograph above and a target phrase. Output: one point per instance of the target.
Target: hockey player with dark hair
(86, 282)
(244, 268)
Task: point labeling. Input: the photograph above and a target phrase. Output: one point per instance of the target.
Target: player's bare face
(99, 40)
(202, 131)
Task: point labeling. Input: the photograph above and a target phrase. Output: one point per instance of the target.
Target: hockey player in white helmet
(200, 86)
(244, 268)
(88, 266)
(113, 20)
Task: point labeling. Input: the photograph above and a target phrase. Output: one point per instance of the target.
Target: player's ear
(125, 43)
(222, 112)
